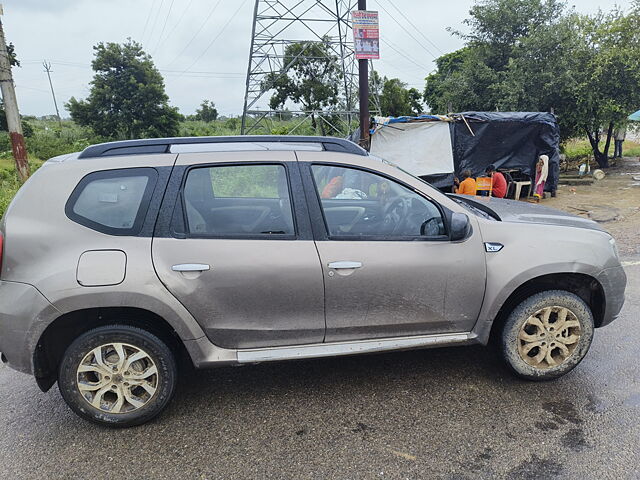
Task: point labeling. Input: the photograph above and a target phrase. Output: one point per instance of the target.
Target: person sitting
(498, 182)
(467, 186)
(333, 188)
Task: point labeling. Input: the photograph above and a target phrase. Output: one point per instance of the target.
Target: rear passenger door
(234, 245)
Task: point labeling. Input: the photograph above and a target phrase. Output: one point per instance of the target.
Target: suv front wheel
(117, 375)
(547, 335)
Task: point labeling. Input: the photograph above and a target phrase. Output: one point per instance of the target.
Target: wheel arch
(60, 333)
(585, 286)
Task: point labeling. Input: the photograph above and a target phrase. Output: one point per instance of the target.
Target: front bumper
(24, 313)
(614, 283)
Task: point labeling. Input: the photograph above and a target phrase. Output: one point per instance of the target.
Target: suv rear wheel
(547, 335)
(118, 376)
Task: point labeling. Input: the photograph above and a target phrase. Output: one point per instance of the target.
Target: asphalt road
(446, 413)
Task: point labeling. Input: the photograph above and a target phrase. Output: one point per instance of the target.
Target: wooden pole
(14, 123)
(47, 68)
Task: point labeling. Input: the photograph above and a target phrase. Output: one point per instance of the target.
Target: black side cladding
(506, 140)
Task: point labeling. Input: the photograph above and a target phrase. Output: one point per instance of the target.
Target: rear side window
(114, 202)
(241, 201)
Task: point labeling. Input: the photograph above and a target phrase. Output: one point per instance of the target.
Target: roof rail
(163, 145)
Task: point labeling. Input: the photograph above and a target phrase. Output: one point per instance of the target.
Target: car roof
(226, 143)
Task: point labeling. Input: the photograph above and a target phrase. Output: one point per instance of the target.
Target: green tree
(207, 112)
(537, 55)
(469, 79)
(397, 100)
(609, 88)
(462, 81)
(310, 77)
(27, 128)
(13, 59)
(127, 98)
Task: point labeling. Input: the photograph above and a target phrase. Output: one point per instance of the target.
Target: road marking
(630, 264)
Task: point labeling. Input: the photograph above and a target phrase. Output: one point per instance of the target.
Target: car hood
(524, 212)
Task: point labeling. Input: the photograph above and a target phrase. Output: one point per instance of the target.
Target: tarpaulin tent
(635, 116)
(437, 147)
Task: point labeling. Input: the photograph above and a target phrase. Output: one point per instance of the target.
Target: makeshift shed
(436, 147)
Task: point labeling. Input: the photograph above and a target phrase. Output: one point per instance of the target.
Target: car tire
(547, 335)
(117, 376)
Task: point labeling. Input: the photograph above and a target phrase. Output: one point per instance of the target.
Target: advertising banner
(366, 34)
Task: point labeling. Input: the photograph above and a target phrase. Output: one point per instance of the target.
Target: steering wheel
(396, 215)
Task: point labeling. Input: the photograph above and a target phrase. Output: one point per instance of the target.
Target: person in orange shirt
(467, 186)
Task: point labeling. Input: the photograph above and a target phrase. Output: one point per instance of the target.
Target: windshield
(395, 165)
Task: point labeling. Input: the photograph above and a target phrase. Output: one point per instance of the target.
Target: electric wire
(175, 25)
(146, 24)
(164, 25)
(235, 14)
(402, 54)
(155, 21)
(433, 56)
(415, 27)
(211, 12)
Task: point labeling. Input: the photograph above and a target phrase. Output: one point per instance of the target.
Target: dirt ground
(614, 202)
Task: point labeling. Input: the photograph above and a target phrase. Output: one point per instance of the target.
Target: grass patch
(8, 187)
(579, 149)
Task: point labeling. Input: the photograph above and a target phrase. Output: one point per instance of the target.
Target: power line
(406, 31)
(155, 21)
(146, 24)
(164, 25)
(401, 53)
(201, 73)
(175, 25)
(215, 6)
(216, 37)
(414, 26)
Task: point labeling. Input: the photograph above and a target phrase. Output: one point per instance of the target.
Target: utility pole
(47, 68)
(11, 110)
(363, 81)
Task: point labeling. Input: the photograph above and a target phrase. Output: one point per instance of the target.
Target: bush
(9, 185)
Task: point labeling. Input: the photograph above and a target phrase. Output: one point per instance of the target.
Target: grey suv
(234, 250)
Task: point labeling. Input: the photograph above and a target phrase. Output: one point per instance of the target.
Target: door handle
(191, 267)
(345, 265)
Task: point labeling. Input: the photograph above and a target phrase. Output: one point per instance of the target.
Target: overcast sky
(201, 46)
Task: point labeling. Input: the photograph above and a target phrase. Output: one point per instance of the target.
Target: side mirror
(460, 226)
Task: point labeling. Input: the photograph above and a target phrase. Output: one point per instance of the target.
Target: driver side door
(390, 269)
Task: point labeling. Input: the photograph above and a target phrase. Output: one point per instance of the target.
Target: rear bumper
(614, 283)
(24, 311)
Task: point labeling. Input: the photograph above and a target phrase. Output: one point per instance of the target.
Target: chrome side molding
(318, 350)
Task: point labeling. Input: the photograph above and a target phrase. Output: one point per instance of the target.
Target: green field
(579, 149)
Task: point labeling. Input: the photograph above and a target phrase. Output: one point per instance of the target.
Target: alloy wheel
(117, 378)
(549, 337)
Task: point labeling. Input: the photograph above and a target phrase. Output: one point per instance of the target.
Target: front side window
(113, 201)
(238, 200)
(357, 203)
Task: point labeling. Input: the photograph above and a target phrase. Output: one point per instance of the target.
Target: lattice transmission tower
(280, 23)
